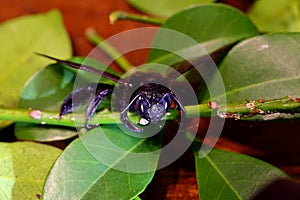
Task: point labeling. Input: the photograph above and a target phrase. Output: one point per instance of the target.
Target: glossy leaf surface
(24, 167)
(35, 33)
(276, 15)
(265, 67)
(78, 174)
(228, 175)
(212, 25)
(20, 38)
(46, 90)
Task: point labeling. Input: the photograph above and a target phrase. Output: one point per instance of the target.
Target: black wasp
(151, 101)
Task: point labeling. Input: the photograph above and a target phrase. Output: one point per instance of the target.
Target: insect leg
(177, 101)
(74, 100)
(101, 91)
(124, 117)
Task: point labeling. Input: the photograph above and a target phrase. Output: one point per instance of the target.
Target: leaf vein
(222, 176)
(231, 92)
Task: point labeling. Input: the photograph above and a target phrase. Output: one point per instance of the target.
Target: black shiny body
(147, 94)
(150, 94)
(150, 99)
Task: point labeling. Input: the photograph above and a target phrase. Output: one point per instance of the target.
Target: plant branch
(120, 15)
(51, 118)
(259, 110)
(111, 51)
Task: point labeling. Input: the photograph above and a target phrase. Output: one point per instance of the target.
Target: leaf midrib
(109, 168)
(260, 84)
(214, 166)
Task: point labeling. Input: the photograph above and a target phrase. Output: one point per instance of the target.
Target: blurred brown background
(274, 142)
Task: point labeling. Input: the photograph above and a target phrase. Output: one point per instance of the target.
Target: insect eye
(142, 107)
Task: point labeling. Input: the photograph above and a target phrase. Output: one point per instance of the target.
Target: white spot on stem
(35, 114)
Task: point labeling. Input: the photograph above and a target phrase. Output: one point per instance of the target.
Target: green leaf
(90, 167)
(276, 15)
(23, 169)
(212, 25)
(164, 8)
(266, 67)
(227, 175)
(46, 90)
(20, 38)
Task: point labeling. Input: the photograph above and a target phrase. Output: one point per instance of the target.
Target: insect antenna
(107, 75)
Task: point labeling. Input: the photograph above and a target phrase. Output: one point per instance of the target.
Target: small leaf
(276, 15)
(266, 67)
(77, 174)
(164, 8)
(23, 169)
(20, 38)
(212, 25)
(227, 175)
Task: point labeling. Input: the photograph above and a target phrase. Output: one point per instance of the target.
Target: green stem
(96, 39)
(51, 118)
(259, 110)
(120, 15)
